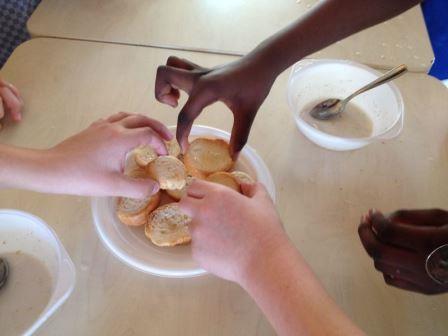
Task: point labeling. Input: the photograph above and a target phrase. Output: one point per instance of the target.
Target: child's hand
(10, 101)
(401, 243)
(230, 231)
(92, 161)
(242, 85)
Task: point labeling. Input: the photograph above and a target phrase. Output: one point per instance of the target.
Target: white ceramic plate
(130, 245)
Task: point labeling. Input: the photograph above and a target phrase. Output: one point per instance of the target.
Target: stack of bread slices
(164, 223)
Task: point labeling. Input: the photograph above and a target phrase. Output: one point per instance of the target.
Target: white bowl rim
(316, 61)
(176, 273)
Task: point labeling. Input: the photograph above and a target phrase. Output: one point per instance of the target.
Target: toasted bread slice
(242, 177)
(173, 148)
(168, 171)
(168, 226)
(225, 179)
(134, 212)
(191, 171)
(208, 156)
(144, 155)
(132, 169)
(177, 194)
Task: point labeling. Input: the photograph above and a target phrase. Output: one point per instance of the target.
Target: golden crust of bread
(144, 155)
(177, 194)
(242, 177)
(173, 148)
(132, 169)
(168, 226)
(135, 212)
(168, 171)
(208, 156)
(191, 171)
(138, 172)
(226, 179)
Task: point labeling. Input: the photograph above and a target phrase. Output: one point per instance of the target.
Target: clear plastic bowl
(316, 80)
(20, 231)
(130, 245)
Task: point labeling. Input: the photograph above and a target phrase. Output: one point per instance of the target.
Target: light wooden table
(321, 196)
(230, 26)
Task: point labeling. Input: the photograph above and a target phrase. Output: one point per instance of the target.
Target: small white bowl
(130, 245)
(21, 232)
(316, 80)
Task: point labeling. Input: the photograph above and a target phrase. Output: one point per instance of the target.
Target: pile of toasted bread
(165, 225)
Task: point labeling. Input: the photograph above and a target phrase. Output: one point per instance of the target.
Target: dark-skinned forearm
(328, 22)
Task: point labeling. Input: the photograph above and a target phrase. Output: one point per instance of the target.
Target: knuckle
(171, 59)
(97, 122)
(204, 86)
(161, 69)
(396, 215)
(148, 134)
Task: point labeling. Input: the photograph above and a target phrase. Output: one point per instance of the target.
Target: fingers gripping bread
(173, 148)
(208, 156)
(242, 177)
(132, 169)
(144, 155)
(168, 226)
(134, 212)
(168, 171)
(177, 194)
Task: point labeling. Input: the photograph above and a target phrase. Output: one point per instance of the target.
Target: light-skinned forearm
(327, 22)
(291, 297)
(22, 168)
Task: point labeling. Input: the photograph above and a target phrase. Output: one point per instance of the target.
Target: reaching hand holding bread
(144, 155)
(207, 159)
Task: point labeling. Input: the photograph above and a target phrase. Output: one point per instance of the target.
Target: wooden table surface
(231, 26)
(321, 196)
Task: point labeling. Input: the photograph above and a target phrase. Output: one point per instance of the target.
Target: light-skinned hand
(230, 230)
(11, 102)
(92, 161)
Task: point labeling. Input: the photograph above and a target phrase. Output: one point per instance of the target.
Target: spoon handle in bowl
(388, 76)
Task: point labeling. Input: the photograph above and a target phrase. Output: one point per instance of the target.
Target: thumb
(134, 187)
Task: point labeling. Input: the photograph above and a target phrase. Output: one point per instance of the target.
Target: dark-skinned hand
(399, 245)
(242, 85)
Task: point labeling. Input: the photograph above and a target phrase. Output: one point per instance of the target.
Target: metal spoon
(4, 272)
(332, 107)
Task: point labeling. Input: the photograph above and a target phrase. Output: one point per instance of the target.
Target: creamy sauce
(25, 295)
(352, 123)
